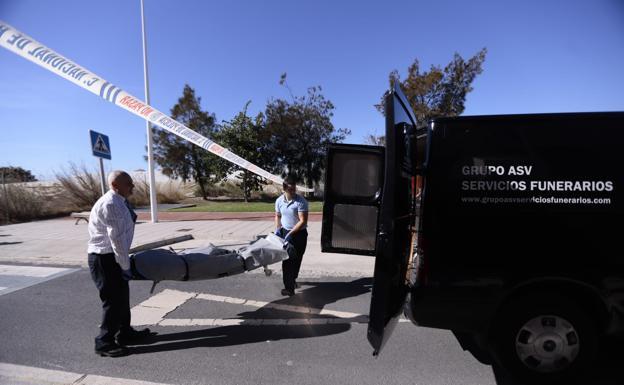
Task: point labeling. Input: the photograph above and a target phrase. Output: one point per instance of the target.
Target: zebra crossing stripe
(154, 310)
(16, 277)
(21, 374)
(30, 271)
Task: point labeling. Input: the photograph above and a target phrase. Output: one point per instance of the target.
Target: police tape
(30, 49)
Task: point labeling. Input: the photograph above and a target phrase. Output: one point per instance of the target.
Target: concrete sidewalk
(61, 242)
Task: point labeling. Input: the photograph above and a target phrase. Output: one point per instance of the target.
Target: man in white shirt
(111, 229)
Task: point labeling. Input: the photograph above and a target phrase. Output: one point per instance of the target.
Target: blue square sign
(100, 145)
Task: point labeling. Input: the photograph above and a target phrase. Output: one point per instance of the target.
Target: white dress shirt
(111, 228)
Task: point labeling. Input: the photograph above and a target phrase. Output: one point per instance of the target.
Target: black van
(506, 230)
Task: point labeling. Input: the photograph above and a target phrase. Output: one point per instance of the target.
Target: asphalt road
(239, 330)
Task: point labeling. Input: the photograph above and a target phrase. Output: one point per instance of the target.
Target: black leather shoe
(112, 350)
(133, 336)
(287, 292)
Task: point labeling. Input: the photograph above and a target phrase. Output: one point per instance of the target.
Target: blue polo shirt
(290, 210)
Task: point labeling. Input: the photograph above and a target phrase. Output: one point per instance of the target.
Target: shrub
(76, 189)
(19, 203)
(81, 187)
(222, 189)
(171, 191)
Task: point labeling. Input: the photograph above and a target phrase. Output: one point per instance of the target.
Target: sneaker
(287, 292)
(112, 350)
(133, 336)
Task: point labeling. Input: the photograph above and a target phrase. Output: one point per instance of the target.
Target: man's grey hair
(115, 175)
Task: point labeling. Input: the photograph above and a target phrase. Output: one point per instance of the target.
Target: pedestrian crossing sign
(100, 145)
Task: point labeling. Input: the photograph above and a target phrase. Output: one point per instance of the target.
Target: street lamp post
(150, 155)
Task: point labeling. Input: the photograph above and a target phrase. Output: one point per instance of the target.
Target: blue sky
(543, 56)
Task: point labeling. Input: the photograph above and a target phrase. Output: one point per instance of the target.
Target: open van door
(369, 209)
(396, 220)
(353, 183)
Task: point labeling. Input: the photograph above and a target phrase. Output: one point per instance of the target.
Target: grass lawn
(238, 207)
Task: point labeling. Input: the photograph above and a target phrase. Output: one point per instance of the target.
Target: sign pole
(150, 154)
(102, 176)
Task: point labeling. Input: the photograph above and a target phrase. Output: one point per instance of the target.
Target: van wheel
(545, 339)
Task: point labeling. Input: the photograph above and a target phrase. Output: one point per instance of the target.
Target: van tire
(544, 339)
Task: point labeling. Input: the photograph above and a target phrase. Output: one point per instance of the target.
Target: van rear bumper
(454, 310)
(472, 310)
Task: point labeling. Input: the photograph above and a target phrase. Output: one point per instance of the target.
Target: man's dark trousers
(291, 266)
(115, 296)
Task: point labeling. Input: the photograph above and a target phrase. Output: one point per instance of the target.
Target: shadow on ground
(10, 243)
(234, 335)
(314, 295)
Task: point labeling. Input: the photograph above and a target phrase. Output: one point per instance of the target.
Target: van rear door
(396, 220)
(353, 182)
(369, 209)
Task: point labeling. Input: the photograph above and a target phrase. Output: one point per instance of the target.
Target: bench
(82, 215)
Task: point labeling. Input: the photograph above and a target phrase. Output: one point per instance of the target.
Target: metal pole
(150, 155)
(103, 178)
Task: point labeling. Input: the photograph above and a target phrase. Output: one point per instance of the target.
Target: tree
(244, 137)
(12, 174)
(300, 131)
(179, 158)
(438, 92)
(375, 140)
